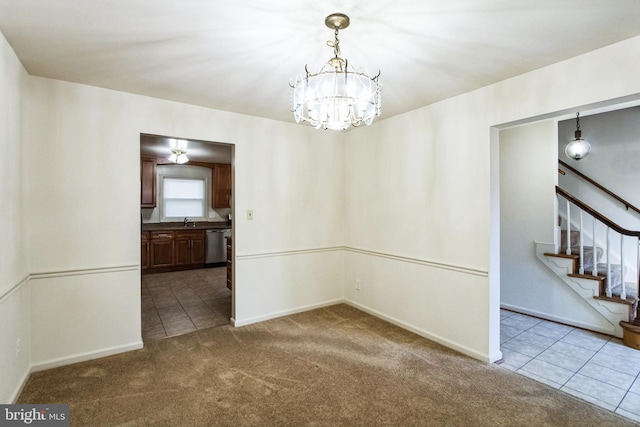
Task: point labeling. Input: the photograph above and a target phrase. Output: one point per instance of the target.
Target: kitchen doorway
(186, 201)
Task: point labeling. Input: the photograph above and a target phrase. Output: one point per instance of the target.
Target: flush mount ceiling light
(337, 96)
(578, 147)
(178, 151)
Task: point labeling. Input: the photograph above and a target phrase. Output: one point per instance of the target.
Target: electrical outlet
(18, 347)
(358, 284)
(249, 214)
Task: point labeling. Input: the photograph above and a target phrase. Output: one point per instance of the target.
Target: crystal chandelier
(578, 147)
(337, 96)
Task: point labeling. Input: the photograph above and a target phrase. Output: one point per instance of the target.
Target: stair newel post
(635, 313)
(568, 251)
(581, 270)
(594, 269)
(623, 287)
(608, 279)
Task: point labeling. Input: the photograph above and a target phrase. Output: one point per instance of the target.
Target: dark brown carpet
(335, 366)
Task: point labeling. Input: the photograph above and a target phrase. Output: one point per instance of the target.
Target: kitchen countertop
(199, 225)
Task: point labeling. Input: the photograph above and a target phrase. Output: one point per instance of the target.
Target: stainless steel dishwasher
(217, 246)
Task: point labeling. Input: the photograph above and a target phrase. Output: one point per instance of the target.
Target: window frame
(204, 200)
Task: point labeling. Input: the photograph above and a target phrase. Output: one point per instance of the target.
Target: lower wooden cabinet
(189, 247)
(144, 250)
(162, 251)
(229, 266)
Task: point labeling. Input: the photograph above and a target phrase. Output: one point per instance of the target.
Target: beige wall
(422, 195)
(84, 215)
(13, 78)
(14, 294)
(404, 205)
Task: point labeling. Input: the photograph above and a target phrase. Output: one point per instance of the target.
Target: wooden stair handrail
(594, 213)
(626, 204)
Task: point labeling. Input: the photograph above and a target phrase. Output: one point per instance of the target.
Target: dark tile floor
(184, 301)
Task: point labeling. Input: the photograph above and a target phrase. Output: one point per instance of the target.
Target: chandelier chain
(335, 44)
(578, 121)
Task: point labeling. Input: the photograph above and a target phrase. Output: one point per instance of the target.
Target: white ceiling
(200, 151)
(240, 55)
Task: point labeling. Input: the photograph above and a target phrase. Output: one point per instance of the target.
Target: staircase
(593, 288)
(589, 270)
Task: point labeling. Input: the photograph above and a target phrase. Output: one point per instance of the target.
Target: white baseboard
(275, 315)
(54, 363)
(68, 360)
(447, 343)
(436, 338)
(558, 319)
(20, 387)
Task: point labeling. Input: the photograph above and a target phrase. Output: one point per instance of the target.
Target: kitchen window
(183, 197)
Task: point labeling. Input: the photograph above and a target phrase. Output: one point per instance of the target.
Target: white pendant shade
(178, 151)
(577, 148)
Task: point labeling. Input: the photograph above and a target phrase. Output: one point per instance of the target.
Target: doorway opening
(186, 225)
(543, 325)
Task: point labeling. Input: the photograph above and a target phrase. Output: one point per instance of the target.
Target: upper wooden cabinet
(148, 182)
(221, 188)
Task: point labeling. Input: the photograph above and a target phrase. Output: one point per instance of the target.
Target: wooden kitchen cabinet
(161, 249)
(189, 247)
(221, 188)
(229, 265)
(144, 250)
(148, 166)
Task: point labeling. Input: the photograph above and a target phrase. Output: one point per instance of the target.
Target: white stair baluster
(568, 251)
(581, 270)
(623, 287)
(557, 224)
(608, 279)
(594, 269)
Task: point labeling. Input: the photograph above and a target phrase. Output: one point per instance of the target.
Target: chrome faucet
(187, 221)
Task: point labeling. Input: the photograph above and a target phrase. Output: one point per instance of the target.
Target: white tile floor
(594, 367)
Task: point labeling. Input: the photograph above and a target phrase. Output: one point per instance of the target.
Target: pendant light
(178, 151)
(578, 148)
(339, 95)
